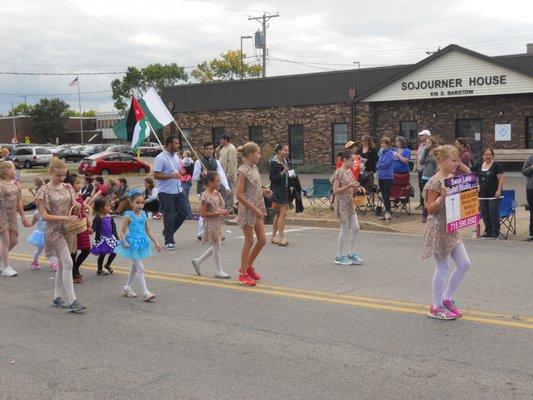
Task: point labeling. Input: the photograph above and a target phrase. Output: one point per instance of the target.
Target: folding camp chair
(508, 213)
(319, 194)
(400, 194)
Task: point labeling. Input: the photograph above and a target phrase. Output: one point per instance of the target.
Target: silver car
(29, 157)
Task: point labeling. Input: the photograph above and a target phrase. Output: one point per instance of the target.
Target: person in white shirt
(205, 163)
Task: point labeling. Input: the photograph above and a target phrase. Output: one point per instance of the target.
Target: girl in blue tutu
(135, 246)
(36, 239)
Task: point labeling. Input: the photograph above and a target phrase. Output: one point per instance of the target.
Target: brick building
(454, 93)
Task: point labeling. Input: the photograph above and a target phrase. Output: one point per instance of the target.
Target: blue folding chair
(319, 194)
(508, 213)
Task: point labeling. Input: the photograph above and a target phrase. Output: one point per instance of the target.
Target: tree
(88, 113)
(140, 79)
(21, 109)
(48, 118)
(228, 67)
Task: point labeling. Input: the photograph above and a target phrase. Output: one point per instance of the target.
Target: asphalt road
(310, 330)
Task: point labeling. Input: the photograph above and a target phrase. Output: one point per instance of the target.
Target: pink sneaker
(35, 265)
(450, 305)
(441, 313)
(53, 267)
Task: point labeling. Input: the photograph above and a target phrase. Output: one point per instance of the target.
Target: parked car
(120, 148)
(71, 154)
(95, 148)
(112, 163)
(29, 157)
(150, 149)
(56, 149)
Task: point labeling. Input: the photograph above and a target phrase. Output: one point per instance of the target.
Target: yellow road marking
(524, 322)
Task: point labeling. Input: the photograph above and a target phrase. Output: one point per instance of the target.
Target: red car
(107, 163)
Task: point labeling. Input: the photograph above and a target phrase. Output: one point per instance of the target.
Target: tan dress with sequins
(437, 241)
(343, 203)
(212, 225)
(57, 201)
(9, 198)
(253, 193)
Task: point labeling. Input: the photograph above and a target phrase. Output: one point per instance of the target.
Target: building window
(217, 135)
(470, 129)
(184, 144)
(529, 133)
(409, 130)
(296, 143)
(339, 137)
(255, 134)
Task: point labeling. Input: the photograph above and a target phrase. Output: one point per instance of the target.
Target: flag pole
(79, 104)
(189, 143)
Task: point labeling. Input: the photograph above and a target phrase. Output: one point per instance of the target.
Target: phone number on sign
(462, 223)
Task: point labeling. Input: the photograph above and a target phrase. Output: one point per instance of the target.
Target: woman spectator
(465, 153)
(527, 171)
(402, 155)
(490, 175)
(279, 167)
(368, 154)
(430, 168)
(87, 188)
(385, 166)
(151, 202)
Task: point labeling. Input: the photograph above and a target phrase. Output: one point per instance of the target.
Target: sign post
(462, 202)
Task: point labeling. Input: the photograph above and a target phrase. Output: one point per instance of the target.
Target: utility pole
(242, 62)
(15, 139)
(264, 19)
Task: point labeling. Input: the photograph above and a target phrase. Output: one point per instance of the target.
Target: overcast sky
(308, 36)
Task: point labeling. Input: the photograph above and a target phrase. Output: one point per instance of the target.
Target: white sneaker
(128, 293)
(8, 271)
(222, 275)
(148, 296)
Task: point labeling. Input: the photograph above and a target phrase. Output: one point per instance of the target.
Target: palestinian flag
(136, 124)
(155, 110)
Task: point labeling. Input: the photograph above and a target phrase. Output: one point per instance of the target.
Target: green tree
(140, 79)
(88, 113)
(48, 118)
(228, 67)
(21, 109)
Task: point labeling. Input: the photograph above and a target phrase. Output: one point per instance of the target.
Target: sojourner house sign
(453, 86)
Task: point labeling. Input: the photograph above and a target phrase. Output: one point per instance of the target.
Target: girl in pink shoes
(251, 211)
(135, 246)
(440, 244)
(11, 204)
(212, 210)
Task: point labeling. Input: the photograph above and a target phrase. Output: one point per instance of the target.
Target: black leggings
(101, 258)
(78, 259)
(385, 186)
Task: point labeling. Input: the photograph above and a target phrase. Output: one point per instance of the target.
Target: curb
(329, 223)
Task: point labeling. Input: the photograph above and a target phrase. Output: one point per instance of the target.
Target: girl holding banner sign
(438, 242)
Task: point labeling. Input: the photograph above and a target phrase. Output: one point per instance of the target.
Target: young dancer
(54, 201)
(84, 238)
(251, 211)
(11, 203)
(344, 188)
(440, 244)
(135, 245)
(105, 241)
(212, 210)
(36, 239)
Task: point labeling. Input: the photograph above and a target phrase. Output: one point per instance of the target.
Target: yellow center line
(525, 322)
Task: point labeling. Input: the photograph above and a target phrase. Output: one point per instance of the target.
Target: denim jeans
(174, 209)
(385, 186)
(186, 190)
(490, 210)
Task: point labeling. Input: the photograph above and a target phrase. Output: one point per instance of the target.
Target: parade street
(309, 330)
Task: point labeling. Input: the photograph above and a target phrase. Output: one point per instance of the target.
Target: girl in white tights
(440, 244)
(344, 188)
(212, 210)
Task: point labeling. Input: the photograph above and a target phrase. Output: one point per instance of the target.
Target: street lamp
(242, 64)
(358, 64)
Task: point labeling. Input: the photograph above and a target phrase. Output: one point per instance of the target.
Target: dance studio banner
(462, 202)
